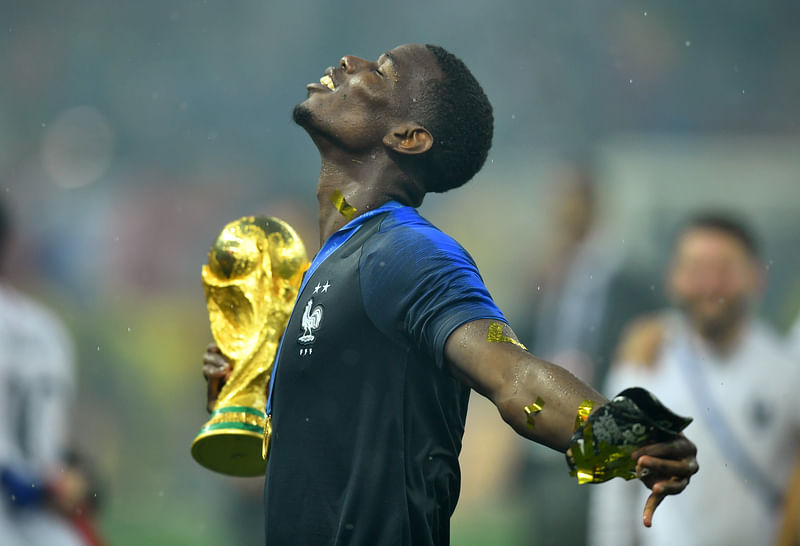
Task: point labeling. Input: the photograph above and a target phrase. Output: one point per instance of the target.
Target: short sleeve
(419, 285)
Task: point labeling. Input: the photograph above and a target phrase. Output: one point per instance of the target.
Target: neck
(366, 181)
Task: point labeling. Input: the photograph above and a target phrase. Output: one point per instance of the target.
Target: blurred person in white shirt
(43, 496)
(711, 358)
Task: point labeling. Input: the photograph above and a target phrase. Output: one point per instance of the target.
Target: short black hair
(458, 114)
(728, 223)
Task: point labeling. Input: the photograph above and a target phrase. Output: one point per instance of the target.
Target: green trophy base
(232, 441)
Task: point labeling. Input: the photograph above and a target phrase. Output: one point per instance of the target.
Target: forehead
(414, 60)
(710, 242)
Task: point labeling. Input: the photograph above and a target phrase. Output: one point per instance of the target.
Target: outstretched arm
(512, 378)
(486, 356)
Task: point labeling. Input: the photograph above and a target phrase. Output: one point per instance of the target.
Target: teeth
(327, 82)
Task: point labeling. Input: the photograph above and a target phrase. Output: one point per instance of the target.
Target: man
(44, 495)
(393, 324)
(711, 358)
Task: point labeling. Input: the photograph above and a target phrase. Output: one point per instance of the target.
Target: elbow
(511, 395)
(512, 411)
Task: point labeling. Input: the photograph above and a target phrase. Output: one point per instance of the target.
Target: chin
(302, 115)
(718, 324)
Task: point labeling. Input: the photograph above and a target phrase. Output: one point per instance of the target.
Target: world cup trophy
(251, 281)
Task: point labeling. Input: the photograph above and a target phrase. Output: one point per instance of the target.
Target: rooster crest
(310, 322)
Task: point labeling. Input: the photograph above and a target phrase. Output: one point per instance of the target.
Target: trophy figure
(251, 281)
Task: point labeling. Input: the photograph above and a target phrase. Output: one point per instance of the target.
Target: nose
(713, 281)
(351, 64)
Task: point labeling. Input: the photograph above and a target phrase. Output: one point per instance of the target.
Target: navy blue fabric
(367, 421)
(21, 489)
(419, 284)
(329, 247)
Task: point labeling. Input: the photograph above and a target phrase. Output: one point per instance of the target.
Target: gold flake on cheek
(583, 413)
(341, 204)
(496, 336)
(533, 409)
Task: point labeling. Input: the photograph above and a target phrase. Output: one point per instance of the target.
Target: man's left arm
(485, 355)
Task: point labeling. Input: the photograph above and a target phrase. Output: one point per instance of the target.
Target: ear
(409, 138)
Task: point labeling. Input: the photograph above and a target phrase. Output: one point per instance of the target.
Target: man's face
(360, 101)
(713, 279)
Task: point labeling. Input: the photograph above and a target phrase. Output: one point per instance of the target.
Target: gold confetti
(533, 409)
(583, 413)
(341, 204)
(600, 464)
(496, 336)
(267, 438)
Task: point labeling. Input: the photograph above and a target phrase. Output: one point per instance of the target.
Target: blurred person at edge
(583, 294)
(45, 496)
(710, 357)
(790, 526)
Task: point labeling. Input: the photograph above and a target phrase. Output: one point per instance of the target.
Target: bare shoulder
(641, 341)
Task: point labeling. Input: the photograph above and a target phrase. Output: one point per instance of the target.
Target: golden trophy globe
(251, 281)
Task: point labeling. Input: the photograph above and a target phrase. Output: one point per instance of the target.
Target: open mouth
(325, 84)
(327, 81)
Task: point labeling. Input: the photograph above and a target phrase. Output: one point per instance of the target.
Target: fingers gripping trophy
(254, 271)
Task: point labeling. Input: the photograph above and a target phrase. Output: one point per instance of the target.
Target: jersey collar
(333, 242)
(341, 236)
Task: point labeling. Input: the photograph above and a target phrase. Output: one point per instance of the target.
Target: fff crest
(310, 322)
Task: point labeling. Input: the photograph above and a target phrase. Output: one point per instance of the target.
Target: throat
(340, 203)
(346, 192)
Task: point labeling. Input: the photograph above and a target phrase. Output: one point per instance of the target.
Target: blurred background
(131, 132)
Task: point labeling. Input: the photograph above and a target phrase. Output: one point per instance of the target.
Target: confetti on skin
(496, 336)
(533, 409)
(341, 204)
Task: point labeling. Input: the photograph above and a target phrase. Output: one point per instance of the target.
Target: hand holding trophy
(254, 271)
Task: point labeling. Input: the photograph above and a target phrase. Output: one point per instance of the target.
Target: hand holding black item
(634, 435)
